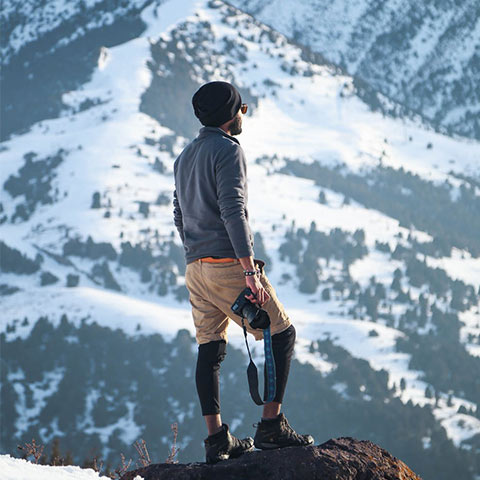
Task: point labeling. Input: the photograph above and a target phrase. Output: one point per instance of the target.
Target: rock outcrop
(343, 458)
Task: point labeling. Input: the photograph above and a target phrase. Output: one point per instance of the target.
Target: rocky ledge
(343, 458)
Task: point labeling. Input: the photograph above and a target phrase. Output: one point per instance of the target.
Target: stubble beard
(236, 126)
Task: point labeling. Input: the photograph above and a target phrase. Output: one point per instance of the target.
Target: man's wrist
(251, 273)
(247, 263)
(249, 267)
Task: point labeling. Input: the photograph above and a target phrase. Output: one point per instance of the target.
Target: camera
(256, 316)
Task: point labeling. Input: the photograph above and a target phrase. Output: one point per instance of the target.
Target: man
(210, 213)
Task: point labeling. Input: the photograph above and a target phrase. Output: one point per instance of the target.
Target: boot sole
(236, 455)
(267, 446)
(212, 461)
(273, 446)
(227, 456)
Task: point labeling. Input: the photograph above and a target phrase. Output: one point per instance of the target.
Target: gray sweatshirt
(210, 197)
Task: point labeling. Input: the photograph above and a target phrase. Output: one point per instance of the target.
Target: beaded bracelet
(249, 273)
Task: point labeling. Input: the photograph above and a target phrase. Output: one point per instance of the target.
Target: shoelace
(290, 430)
(287, 426)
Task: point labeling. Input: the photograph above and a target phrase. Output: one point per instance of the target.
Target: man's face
(236, 125)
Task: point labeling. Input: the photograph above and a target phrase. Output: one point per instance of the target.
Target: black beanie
(216, 103)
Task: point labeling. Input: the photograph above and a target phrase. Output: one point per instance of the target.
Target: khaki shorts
(214, 287)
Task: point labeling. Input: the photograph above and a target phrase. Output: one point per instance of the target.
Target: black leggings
(211, 354)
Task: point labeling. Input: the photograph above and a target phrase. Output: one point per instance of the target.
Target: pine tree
(428, 392)
(322, 198)
(95, 200)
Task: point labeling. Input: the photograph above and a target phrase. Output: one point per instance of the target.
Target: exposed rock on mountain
(343, 458)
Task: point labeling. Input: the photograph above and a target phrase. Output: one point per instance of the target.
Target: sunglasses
(244, 108)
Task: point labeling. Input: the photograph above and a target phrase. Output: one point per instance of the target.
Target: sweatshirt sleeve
(177, 215)
(231, 178)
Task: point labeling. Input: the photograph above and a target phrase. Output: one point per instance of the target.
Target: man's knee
(211, 354)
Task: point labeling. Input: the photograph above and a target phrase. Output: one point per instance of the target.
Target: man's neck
(226, 130)
(206, 131)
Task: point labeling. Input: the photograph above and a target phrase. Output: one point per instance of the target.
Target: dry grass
(32, 449)
(123, 467)
(36, 451)
(141, 448)
(174, 450)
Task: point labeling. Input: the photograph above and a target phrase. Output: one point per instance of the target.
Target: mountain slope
(86, 200)
(51, 47)
(425, 55)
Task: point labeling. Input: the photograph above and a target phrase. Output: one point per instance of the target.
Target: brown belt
(217, 260)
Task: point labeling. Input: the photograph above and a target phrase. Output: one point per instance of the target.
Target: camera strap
(252, 372)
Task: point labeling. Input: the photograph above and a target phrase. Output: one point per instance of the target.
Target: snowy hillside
(60, 21)
(19, 469)
(361, 202)
(424, 55)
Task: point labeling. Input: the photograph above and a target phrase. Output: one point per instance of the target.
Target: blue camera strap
(252, 372)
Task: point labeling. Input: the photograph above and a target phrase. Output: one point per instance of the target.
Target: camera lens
(250, 311)
(256, 316)
(261, 320)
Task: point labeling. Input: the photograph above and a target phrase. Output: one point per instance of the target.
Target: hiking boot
(223, 445)
(278, 433)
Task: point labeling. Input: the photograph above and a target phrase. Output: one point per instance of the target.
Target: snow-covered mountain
(369, 225)
(424, 55)
(52, 47)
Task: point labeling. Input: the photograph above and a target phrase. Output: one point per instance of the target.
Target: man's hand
(259, 295)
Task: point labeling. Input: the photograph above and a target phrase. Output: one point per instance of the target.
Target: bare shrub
(174, 450)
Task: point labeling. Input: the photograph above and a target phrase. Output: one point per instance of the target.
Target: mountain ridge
(425, 56)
